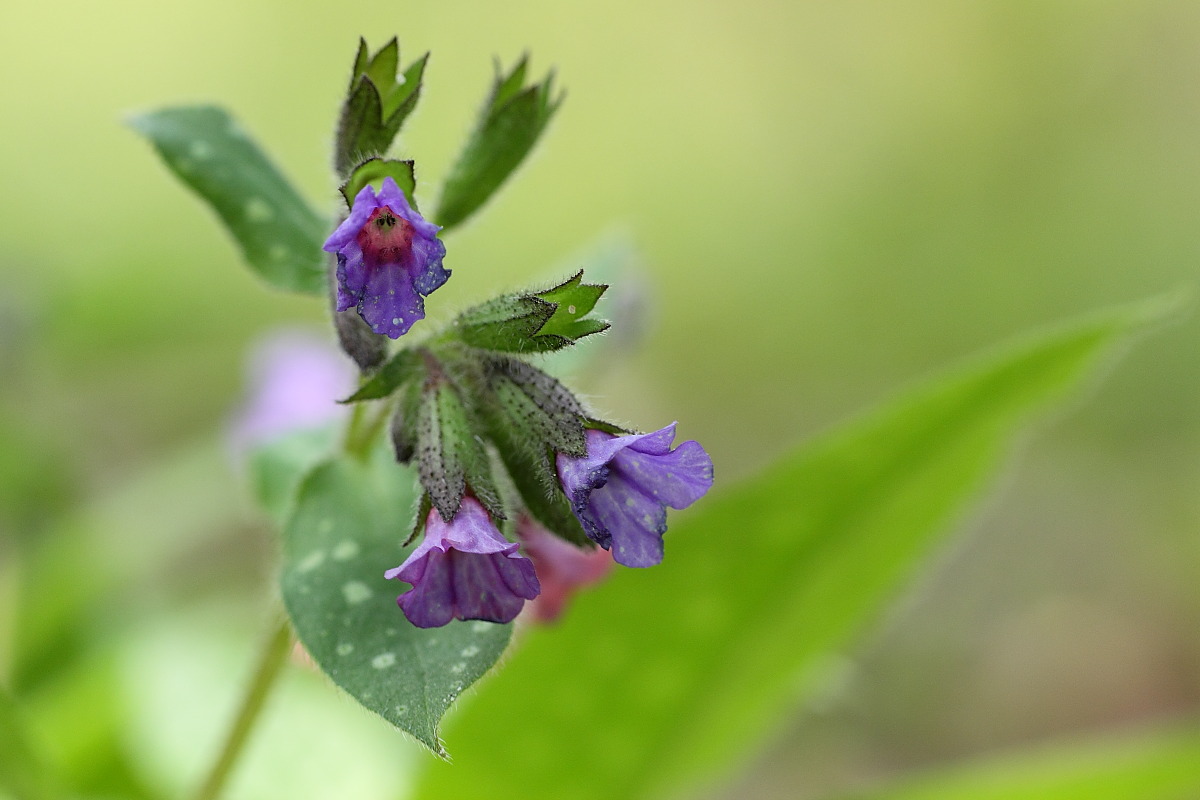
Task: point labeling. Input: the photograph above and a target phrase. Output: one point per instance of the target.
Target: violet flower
(562, 568)
(621, 489)
(464, 569)
(294, 378)
(389, 258)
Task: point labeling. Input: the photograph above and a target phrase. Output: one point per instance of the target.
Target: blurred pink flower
(562, 568)
(294, 380)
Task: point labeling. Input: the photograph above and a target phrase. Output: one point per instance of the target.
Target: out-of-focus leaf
(277, 468)
(346, 530)
(22, 771)
(279, 235)
(509, 125)
(1158, 766)
(662, 679)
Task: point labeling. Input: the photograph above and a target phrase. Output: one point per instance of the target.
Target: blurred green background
(831, 201)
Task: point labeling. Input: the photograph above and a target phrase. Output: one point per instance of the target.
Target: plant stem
(274, 654)
(361, 430)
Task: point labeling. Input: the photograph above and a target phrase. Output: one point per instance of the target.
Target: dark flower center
(386, 238)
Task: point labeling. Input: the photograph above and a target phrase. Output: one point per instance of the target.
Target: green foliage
(373, 171)
(534, 323)
(376, 105)
(451, 458)
(1159, 766)
(536, 407)
(346, 529)
(404, 365)
(277, 468)
(279, 235)
(22, 771)
(509, 125)
(664, 679)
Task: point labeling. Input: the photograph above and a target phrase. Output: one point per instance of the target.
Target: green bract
(512, 119)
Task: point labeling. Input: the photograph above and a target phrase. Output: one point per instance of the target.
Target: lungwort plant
(472, 487)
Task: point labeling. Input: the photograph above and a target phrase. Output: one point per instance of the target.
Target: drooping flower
(389, 258)
(464, 569)
(621, 489)
(562, 568)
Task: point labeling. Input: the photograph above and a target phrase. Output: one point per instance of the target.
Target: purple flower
(464, 569)
(389, 257)
(295, 377)
(621, 489)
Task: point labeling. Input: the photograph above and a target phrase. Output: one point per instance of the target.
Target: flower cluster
(583, 493)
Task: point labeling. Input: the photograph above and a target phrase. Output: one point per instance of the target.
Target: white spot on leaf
(355, 592)
(258, 210)
(383, 660)
(311, 561)
(345, 550)
(470, 652)
(345, 649)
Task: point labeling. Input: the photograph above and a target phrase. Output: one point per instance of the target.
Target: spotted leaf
(279, 235)
(346, 529)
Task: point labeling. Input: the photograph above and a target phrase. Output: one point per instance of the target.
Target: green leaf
(346, 530)
(373, 171)
(376, 105)
(537, 322)
(676, 673)
(441, 430)
(1163, 765)
(400, 368)
(277, 467)
(536, 405)
(508, 324)
(22, 771)
(279, 235)
(509, 125)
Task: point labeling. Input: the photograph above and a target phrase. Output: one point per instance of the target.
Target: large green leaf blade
(1163, 765)
(279, 235)
(346, 529)
(23, 772)
(664, 678)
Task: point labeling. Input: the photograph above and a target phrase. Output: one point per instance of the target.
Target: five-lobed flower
(464, 569)
(389, 258)
(620, 490)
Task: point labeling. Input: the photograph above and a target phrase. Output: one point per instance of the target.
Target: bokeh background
(830, 200)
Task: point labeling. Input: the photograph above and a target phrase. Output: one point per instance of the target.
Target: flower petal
(677, 478)
(635, 522)
(364, 205)
(388, 302)
(430, 602)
